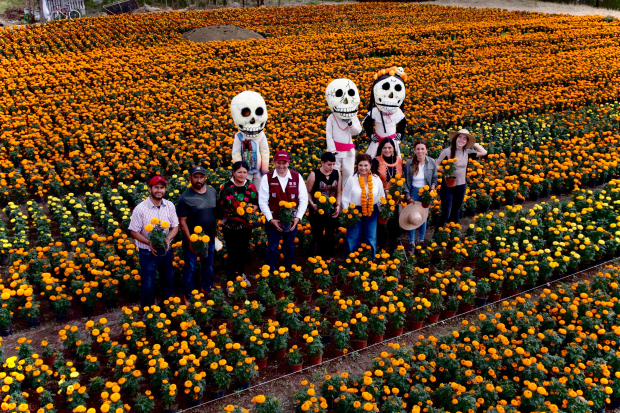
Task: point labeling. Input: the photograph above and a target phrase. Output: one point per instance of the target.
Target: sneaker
(411, 250)
(249, 284)
(186, 301)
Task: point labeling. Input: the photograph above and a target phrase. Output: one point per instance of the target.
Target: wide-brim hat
(471, 141)
(413, 216)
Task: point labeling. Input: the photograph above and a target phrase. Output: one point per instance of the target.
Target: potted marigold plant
(359, 326)
(427, 195)
(419, 312)
(325, 205)
(386, 210)
(246, 369)
(258, 349)
(295, 361)
(467, 294)
(280, 342)
(451, 306)
(60, 304)
(157, 234)
(350, 216)
(497, 281)
(269, 404)
(396, 316)
(144, 403)
(598, 396)
(377, 323)
(436, 300)
(314, 347)
(449, 169)
(219, 378)
(287, 215)
(200, 242)
(483, 287)
(341, 337)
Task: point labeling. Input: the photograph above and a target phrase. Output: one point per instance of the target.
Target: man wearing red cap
(155, 206)
(276, 186)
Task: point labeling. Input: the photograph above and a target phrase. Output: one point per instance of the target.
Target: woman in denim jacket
(420, 171)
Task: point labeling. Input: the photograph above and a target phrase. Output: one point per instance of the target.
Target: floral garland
(366, 200)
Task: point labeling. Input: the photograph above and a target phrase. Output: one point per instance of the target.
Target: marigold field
(92, 107)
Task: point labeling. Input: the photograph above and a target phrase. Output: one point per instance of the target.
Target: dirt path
(530, 5)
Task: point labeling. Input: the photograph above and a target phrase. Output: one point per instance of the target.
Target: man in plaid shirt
(152, 260)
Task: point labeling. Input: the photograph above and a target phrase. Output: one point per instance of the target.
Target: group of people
(349, 179)
(202, 206)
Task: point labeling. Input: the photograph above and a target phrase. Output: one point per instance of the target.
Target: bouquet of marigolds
(427, 195)
(325, 205)
(157, 231)
(287, 211)
(350, 217)
(199, 241)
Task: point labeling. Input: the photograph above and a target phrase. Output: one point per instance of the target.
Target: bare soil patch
(220, 34)
(530, 5)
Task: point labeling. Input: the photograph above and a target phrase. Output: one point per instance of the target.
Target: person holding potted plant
(280, 189)
(363, 191)
(420, 172)
(452, 191)
(236, 199)
(388, 165)
(326, 182)
(151, 260)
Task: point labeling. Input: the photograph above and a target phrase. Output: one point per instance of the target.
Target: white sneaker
(246, 280)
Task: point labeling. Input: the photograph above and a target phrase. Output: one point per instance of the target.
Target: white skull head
(249, 112)
(343, 98)
(389, 94)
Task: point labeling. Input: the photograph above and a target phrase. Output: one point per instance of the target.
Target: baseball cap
(197, 169)
(281, 156)
(156, 180)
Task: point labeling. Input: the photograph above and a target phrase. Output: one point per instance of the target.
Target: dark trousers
(451, 202)
(390, 231)
(323, 235)
(149, 265)
(288, 246)
(206, 270)
(237, 248)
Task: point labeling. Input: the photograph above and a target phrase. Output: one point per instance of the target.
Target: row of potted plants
(553, 352)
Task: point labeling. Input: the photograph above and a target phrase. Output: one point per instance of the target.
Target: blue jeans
(206, 270)
(422, 229)
(451, 202)
(149, 265)
(288, 246)
(364, 231)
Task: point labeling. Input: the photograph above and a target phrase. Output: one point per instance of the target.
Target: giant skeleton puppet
(343, 99)
(385, 118)
(249, 112)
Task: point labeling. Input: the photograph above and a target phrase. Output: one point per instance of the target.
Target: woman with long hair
(364, 191)
(462, 146)
(420, 172)
(388, 165)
